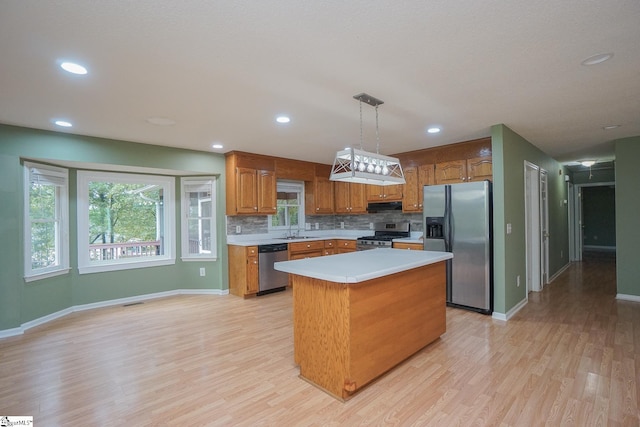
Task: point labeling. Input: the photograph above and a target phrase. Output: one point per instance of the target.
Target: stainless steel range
(385, 232)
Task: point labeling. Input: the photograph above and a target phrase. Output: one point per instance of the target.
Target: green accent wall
(599, 216)
(627, 210)
(510, 151)
(22, 302)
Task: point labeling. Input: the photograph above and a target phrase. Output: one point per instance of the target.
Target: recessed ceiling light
(161, 121)
(597, 59)
(283, 119)
(433, 130)
(609, 127)
(217, 146)
(73, 68)
(63, 123)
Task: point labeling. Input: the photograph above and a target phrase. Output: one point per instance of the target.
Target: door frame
(536, 205)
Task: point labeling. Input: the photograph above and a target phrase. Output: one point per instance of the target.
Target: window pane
(43, 245)
(199, 236)
(199, 204)
(293, 215)
(125, 220)
(42, 201)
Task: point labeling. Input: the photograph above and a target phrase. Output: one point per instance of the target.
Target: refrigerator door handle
(447, 219)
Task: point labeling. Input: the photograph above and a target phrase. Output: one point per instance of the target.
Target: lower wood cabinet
(301, 250)
(243, 270)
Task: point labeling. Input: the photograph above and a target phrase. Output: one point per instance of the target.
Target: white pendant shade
(362, 167)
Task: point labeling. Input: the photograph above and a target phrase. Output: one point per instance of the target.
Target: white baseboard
(625, 297)
(559, 272)
(510, 313)
(120, 301)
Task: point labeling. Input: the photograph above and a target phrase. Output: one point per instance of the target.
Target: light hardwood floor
(571, 356)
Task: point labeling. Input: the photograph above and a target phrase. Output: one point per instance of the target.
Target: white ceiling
(223, 70)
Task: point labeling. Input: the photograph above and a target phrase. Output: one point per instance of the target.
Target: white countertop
(256, 241)
(360, 266)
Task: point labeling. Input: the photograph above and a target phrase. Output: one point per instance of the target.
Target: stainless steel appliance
(384, 233)
(458, 219)
(269, 279)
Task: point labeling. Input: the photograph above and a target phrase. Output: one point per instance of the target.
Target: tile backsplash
(258, 224)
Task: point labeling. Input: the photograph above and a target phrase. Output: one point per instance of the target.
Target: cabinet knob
(255, 208)
(317, 209)
(308, 246)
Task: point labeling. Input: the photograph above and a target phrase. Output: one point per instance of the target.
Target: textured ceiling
(223, 70)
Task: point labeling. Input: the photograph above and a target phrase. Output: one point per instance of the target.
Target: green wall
(22, 302)
(510, 151)
(599, 216)
(627, 211)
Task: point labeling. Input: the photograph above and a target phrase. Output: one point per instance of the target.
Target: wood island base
(346, 335)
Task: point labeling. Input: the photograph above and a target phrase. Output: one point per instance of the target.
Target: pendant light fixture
(362, 167)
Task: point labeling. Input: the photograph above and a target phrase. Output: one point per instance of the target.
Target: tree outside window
(124, 220)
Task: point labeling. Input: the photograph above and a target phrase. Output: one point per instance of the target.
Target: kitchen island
(357, 315)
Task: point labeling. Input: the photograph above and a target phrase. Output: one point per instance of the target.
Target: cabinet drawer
(304, 255)
(316, 245)
(328, 244)
(410, 246)
(346, 244)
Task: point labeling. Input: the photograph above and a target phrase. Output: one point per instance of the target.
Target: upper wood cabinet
(384, 193)
(318, 193)
(476, 169)
(479, 169)
(251, 185)
(350, 198)
(416, 178)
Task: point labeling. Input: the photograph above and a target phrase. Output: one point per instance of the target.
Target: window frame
(290, 186)
(210, 183)
(52, 174)
(85, 266)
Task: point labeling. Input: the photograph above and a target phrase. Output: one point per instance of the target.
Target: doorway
(536, 225)
(592, 218)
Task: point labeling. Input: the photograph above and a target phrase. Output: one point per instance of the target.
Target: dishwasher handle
(276, 247)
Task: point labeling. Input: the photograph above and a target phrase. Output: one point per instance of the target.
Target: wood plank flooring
(571, 356)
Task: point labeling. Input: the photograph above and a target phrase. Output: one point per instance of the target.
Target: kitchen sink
(294, 237)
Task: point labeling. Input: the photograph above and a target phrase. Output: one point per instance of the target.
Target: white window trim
(63, 212)
(168, 258)
(210, 183)
(293, 186)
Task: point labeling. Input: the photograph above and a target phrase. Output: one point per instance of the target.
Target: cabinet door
(384, 193)
(267, 187)
(358, 198)
(246, 190)
(344, 246)
(480, 168)
(410, 201)
(451, 172)
(426, 176)
(342, 197)
(252, 274)
(323, 195)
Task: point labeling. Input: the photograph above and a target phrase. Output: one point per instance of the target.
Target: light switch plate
(509, 228)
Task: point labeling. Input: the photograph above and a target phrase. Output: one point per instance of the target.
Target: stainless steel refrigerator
(458, 218)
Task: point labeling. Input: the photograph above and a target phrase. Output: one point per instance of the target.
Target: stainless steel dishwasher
(270, 279)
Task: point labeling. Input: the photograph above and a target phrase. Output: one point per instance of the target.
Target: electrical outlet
(317, 226)
(370, 226)
(202, 272)
(307, 226)
(509, 228)
(238, 229)
(342, 225)
(518, 280)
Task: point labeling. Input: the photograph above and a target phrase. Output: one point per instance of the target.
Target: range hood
(384, 206)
